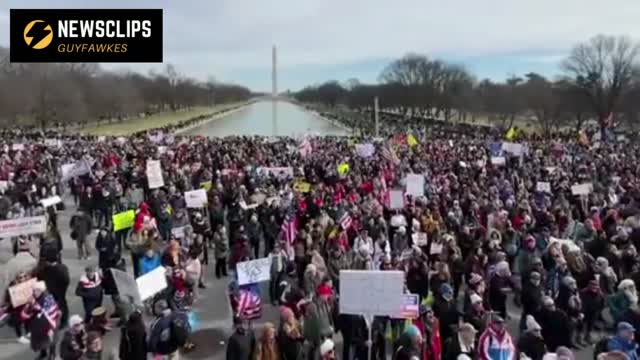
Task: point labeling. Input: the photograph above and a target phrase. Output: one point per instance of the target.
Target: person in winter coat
(620, 302)
(318, 323)
(531, 297)
(496, 343)
(133, 338)
(107, 248)
(499, 286)
(22, 262)
(445, 309)
(89, 289)
(569, 301)
(81, 226)
(290, 339)
(429, 326)
(242, 343)
(267, 348)
(531, 342)
(44, 318)
(409, 345)
(624, 341)
(56, 278)
(463, 343)
(593, 303)
(337, 260)
(355, 336)
(74, 341)
(221, 250)
(278, 266)
(256, 235)
(476, 315)
(556, 326)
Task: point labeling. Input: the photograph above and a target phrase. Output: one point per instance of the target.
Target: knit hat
(446, 290)
(626, 283)
(475, 299)
(326, 347)
(411, 331)
(324, 290)
(75, 320)
(532, 325)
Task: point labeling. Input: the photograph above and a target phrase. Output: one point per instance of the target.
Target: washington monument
(274, 91)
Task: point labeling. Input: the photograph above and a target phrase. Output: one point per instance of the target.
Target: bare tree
(603, 68)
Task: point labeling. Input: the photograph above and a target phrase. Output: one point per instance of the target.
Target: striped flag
(345, 220)
(390, 155)
(249, 305)
(305, 147)
(289, 228)
(51, 311)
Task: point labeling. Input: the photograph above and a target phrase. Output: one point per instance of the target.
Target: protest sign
(154, 174)
(79, 168)
(17, 147)
(21, 294)
(126, 285)
(206, 185)
(254, 271)
(383, 291)
(415, 184)
(196, 199)
(419, 238)
(343, 168)
(178, 232)
(582, 189)
(50, 201)
(152, 283)
(52, 143)
(123, 220)
(275, 171)
(301, 186)
(410, 307)
(542, 186)
(498, 160)
(365, 150)
(513, 148)
(23, 226)
(396, 199)
(162, 149)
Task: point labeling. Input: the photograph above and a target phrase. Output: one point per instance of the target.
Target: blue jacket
(628, 347)
(148, 264)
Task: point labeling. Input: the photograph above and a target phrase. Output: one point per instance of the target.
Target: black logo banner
(86, 35)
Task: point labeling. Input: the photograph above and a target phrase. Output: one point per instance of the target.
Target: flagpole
(375, 115)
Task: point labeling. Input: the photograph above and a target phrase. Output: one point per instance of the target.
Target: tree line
(600, 81)
(76, 94)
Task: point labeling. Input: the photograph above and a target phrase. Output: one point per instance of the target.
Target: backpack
(180, 329)
(160, 337)
(602, 346)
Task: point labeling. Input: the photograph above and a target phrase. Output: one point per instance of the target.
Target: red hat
(325, 290)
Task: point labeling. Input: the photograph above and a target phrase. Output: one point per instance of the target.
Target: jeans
(83, 247)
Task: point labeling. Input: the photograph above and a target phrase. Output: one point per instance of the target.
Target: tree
(603, 68)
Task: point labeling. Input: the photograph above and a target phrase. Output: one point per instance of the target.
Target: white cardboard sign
(127, 285)
(254, 271)
(50, 201)
(23, 226)
(415, 184)
(498, 160)
(152, 283)
(21, 294)
(196, 199)
(154, 174)
(582, 189)
(383, 291)
(396, 199)
(542, 186)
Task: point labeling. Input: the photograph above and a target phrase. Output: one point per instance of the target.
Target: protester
(242, 344)
(133, 338)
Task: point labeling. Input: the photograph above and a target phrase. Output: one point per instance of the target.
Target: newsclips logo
(87, 35)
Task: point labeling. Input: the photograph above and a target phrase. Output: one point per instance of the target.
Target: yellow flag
(511, 134)
(123, 220)
(343, 168)
(206, 185)
(301, 186)
(411, 140)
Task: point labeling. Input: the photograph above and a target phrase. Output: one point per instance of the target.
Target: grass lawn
(133, 125)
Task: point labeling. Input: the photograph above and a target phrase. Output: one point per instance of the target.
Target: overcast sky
(319, 40)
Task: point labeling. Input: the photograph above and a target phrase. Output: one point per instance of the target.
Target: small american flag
(390, 155)
(345, 220)
(289, 228)
(51, 311)
(249, 305)
(305, 147)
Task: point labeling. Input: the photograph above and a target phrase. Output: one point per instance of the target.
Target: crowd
(482, 235)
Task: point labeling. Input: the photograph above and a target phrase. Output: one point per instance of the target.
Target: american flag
(51, 311)
(289, 228)
(345, 220)
(249, 305)
(305, 147)
(390, 155)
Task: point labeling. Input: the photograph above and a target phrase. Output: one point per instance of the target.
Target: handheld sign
(154, 174)
(123, 220)
(254, 271)
(21, 294)
(196, 199)
(371, 293)
(543, 187)
(23, 226)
